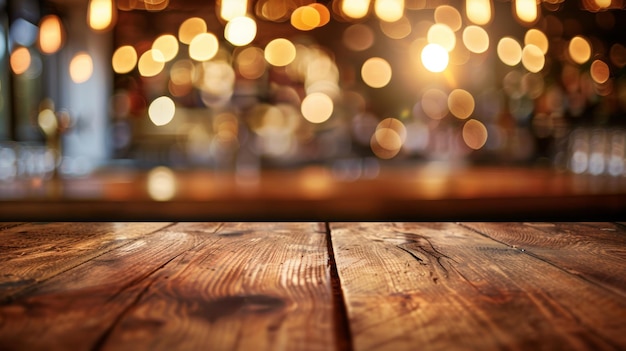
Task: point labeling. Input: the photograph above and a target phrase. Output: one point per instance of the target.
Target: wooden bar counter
(312, 286)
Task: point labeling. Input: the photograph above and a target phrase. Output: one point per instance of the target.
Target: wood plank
(76, 309)
(261, 286)
(34, 252)
(595, 251)
(445, 287)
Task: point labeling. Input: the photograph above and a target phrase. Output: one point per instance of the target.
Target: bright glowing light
(526, 10)
(251, 63)
(280, 52)
(167, 46)
(443, 35)
(161, 184)
(50, 34)
(538, 38)
(20, 60)
(230, 9)
(389, 10)
(509, 51)
(240, 31)
(203, 47)
(603, 3)
(148, 66)
(124, 59)
(435, 58)
(448, 15)
(600, 71)
(478, 11)
(161, 111)
(376, 72)
(476, 39)
(461, 103)
(100, 15)
(190, 28)
(81, 68)
(47, 121)
(532, 58)
(579, 50)
(323, 12)
(355, 9)
(317, 107)
(305, 18)
(474, 134)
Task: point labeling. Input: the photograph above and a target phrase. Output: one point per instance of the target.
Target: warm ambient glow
(435, 58)
(240, 31)
(50, 34)
(358, 37)
(230, 9)
(443, 35)
(579, 50)
(81, 68)
(101, 14)
(161, 184)
(478, 11)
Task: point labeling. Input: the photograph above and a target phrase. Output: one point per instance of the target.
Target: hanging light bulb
(526, 11)
(51, 34)
(355, 9)
(230, 9)
(101, 14)
(479, 11)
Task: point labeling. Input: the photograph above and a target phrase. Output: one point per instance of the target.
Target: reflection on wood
(442, 286)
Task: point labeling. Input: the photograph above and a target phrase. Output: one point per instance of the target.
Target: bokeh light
(389, 10)
(167, 47)
(50, 34)
(355, 9)
(305, 18)
(240, 31)
(538, 38)
(376, 72)
(81, 67)
(478, 11)
(509, 51)
(532, 58)
(398, 29)
(461, 103)
(280, 52)
(203, 47)
(435, 58)
(190, 28)
(579, 49)
(476, 39)
(20, 60)
(161, 184)
(250, 63)
(317, 107)
(101, 14)
(435, 103)
(230, 9)
(323, 12)
(599, 71)
(358, 37)
(474, 134)
(124, 59)
(161, 111)
(148, 66)
(448, 15)
(526, 10)
(441, 34)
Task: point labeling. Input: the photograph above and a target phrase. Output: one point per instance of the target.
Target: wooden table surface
(430, 192)
(312, 286)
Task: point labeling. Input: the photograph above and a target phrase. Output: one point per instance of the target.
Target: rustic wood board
(262, 286)
(594, 251)
(77, 308)
(34, 252)
(445, 287)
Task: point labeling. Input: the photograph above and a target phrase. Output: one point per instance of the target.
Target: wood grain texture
(34, 252)
(77, 308)
(594, 251)
(258, 286)
(445, 287)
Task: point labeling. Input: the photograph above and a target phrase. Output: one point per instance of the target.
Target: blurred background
(349, 85)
